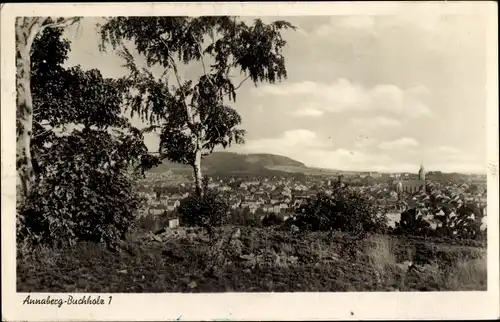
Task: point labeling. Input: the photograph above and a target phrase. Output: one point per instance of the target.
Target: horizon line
(344, 170)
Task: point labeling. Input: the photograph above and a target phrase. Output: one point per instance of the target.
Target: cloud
(306, 146)
(342, 95)
(422, 20)
(280, 145)
(398, 144)
(299, 136)
(356, 22)
(364, 142)
(447, 149)
(315, 151)
(375, 123)
(418, 17)
(338, 26)
(307, 111)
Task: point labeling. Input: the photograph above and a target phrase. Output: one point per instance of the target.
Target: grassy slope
(275, 261)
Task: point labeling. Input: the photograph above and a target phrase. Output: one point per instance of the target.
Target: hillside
(229, 163)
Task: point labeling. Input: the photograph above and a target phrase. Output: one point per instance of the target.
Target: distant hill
(229, 163)
(223, 164)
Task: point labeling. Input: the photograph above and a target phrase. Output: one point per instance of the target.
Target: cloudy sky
(379, 93)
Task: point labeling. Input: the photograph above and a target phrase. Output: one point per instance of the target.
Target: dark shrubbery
(83, 193)
(271, 219)
(345, 209)
(412, 224)
(209, 210)
(243, 217)
(153, 223)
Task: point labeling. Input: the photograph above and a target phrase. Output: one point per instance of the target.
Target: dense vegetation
(344, 210)
(86, 155)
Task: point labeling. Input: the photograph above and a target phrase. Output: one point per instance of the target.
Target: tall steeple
(399, 189)
(421, 172)
(421, 176)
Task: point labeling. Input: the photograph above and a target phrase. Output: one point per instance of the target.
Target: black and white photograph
(249, 151)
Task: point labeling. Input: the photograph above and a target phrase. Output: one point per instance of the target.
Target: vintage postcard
(250, 161)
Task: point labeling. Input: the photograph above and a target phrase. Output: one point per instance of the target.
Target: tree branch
(62, 24)
(42, 124)
(203, 63)
(176, 72)
(41, 134)
(188, 109)
(239, 85)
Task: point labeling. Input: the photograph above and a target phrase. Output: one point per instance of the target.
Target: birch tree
(194, 116)
(27, 29)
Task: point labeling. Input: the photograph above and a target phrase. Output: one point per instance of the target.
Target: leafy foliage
(412, 223)
(345, 209)
(243, 217)
(85, 154)
(208, 210)
(84, 193)
(271, 219)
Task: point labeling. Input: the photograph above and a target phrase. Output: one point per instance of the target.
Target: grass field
(254, 260)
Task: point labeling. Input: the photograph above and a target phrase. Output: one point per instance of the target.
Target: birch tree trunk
(27, 28)
(198, 177)
(26, 31)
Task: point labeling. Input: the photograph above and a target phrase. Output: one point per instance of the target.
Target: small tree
(345, 210)
(193, 115)
(85, 193)
(208, 210)
(412, 223)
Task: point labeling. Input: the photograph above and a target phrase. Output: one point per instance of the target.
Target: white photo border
(247, 306)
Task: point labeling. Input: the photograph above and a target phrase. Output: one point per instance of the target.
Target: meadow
(247, 259)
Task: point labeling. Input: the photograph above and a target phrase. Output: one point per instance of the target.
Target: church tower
(421, 172)
(421, 176)
(399, 189)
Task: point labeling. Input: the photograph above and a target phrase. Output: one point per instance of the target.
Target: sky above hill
(368, 93)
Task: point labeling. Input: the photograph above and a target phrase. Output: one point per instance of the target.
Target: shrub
(153, 223)
(271, 219)
(412, 224)
(209, 210)
(84, 192)
(243, 217)
(345, 209)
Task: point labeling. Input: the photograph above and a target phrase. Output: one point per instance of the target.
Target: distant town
(281, 194)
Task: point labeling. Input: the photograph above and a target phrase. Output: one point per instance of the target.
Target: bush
(243, 217)
(412, 224)
(153, 223)
(83, 193)
(209, 210)
(345, 210)
(271, 219)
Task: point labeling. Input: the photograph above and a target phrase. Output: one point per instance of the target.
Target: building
(412, 186)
